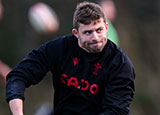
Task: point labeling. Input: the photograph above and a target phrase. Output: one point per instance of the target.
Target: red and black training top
(84, 83)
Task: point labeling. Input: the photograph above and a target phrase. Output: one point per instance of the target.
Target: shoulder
(60, 40)
(120, 63)
(57, 43)
(118, 55)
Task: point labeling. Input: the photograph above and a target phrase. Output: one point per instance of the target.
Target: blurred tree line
(137, 25)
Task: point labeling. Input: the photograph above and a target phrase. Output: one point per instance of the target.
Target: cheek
(82, 41)
(85, 42)
(104, 34)
(85, 38)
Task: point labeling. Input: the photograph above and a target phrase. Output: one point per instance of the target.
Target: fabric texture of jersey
(84, 83)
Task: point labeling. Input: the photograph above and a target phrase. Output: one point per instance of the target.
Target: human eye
(87, 32)
(99, 30)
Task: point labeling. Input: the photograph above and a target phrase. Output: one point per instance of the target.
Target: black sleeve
(119, 90)
(31, 70)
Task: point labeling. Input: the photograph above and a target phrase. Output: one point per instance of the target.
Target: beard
(94, 46)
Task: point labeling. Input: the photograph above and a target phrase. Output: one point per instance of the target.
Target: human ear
(75, 32)
(107, 26)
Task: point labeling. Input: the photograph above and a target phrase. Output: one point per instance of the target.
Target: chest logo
(75, 61)
(97, 66)
(81, 84)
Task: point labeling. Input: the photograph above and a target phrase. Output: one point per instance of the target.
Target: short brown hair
(86, 12)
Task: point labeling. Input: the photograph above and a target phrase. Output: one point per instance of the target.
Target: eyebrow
(91, 30)
(87, 31)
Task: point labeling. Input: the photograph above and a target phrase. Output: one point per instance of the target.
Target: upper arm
(119, 90)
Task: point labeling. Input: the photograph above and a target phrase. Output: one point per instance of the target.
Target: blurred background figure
(1, 10)
(4, 70)
(45, 109)
(109, 9)
(43, 18)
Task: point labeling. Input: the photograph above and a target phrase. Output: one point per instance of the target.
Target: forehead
(94, 24)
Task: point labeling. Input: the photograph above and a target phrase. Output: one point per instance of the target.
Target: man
(91, 75)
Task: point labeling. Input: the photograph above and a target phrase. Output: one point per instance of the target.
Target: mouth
(96, 45)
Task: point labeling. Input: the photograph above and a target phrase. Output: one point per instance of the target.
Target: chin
(96, 51)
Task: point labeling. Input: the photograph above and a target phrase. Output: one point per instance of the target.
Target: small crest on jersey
(75, 61)
(97, 66)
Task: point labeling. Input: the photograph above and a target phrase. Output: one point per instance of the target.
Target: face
(93, 37)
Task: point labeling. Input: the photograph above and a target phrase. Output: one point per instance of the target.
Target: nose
(95, 36)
